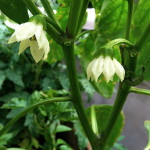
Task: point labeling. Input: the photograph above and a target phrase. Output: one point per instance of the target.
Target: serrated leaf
(15, 103)
(102, 113)
(15, 10)
(15, 77)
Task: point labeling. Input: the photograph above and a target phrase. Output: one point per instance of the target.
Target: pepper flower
(33, 35)
(107, 66)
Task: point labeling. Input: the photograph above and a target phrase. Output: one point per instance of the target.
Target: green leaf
(15, 103)
(15, 10)
(87, 86)
(82, 138)
(5, 138)
(2, 78)
(147, 127)
(56, 53)
(15, 77)
(140, 20)
(62, 128)
(100, 118)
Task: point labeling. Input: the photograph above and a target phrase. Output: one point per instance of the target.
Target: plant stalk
(118, 105)
(129, 18)
(76, 96)
(49, 11)
(32, 7)
(140, 91)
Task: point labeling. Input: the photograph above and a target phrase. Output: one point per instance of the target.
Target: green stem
(82, 14)
(51, 30)
(140, 42)
(118, 105)
(112, 43)
(76, 96)
(140, 91)
(49, 10)
(30, 108)
(129, 19)
(56, 26)
(32, 7)
(74, 14)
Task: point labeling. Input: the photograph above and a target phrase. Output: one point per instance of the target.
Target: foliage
(24, 83)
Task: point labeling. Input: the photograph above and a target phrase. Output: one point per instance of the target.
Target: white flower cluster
(33, 35)
(107, 66)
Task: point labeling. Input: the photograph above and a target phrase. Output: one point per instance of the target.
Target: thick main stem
(118, 105)
(76, 96)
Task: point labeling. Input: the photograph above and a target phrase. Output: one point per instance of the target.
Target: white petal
(12, 38)
(25, 31)
(108, 68)
(46, 50)
(39, 35)
(36, 53)
(119, 69)
(97, 67)
(23, 45)
(89, 70)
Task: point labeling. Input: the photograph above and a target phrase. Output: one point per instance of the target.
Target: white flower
(107, 66)
(33, 35)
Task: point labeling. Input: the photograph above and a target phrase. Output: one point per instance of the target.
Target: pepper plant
(117, 46)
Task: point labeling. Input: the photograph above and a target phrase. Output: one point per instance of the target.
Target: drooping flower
(32, 34)
(107, 66)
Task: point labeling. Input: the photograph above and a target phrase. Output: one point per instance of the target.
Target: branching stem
(30, 108)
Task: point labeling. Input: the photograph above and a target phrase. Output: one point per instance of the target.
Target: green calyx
(120, 41)
(38, 19)
(104, 51)
(108, 50)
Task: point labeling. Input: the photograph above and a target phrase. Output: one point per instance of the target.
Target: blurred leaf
(55, 53)
(63, 145)
(82, 139)
(140, 20)
(64, 81)
(5, 138)
(102, 114)
(62, 128)
(147, 127)
(15, 77)
(31, 123)
(87, 86)
(2, 78)
(15, 10)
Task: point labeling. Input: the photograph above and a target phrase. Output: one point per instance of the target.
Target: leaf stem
(30, 108)
(117, 107)
(49, 10)
(129, 19)
(76, 96)
(52, 30)
(139, 91)
(32, 7)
